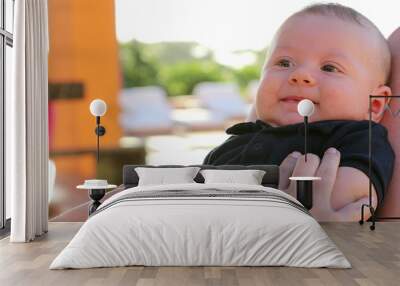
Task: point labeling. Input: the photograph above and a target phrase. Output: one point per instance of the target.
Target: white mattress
(200, 231)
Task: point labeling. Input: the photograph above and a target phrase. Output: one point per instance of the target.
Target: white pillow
(248, 177)
(162, 176)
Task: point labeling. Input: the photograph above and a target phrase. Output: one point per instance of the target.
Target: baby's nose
(295, 80)
(301, 77)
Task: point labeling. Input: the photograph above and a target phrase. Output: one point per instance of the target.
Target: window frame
(6, 39)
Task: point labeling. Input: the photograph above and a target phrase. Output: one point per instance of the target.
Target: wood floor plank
(375, 258)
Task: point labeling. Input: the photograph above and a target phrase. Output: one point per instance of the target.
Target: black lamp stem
(305, 136)
(98, 139)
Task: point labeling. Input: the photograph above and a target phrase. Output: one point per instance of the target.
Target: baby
(335, 57)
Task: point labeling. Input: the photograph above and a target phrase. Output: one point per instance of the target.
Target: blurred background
(174, 74)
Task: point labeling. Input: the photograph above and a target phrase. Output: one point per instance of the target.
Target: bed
(201, 224)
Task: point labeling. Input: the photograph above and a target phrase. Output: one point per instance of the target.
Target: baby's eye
(284, 63)
(329, 68)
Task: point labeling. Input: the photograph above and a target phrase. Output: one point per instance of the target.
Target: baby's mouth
(294, 99)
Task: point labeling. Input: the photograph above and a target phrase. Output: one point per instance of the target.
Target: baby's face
(330, 61)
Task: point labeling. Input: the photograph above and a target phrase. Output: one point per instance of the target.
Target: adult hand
(295, 165)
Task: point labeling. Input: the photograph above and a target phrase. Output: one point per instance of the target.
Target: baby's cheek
(267, 100)
(340, 110)
(263, 101)
(268, 89)
(342, 100)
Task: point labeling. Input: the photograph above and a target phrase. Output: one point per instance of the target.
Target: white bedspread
(200, 231)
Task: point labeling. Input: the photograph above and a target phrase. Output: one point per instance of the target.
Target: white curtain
(26, 120)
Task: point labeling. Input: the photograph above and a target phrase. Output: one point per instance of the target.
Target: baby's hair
(349, 14)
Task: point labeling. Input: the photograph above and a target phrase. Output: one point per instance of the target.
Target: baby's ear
(378, 105)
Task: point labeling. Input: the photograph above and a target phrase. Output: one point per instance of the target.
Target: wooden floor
(375, 257)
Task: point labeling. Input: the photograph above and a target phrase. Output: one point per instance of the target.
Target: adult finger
(286, 169)
(303, 169)
(327, 170)
(307, 168)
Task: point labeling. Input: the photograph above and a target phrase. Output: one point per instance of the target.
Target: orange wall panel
(83, 48)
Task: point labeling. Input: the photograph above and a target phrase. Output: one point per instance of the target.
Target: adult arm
(391, 203)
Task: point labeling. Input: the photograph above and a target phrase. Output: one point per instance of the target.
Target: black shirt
(260, 143)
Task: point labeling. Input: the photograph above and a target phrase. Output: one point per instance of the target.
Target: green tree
(243, 76)
(246, 74)
(138, 68)
(179, 66)
(180, 79)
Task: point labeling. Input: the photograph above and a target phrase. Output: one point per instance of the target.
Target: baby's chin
(287, 119)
